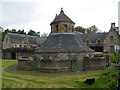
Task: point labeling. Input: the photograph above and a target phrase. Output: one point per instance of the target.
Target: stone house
(112, 39)
(19, 45)
(63, 50)
(103, 42)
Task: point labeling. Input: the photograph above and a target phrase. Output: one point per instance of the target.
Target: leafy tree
(80, 29)
(31, 32)
(21, 32)
(44, 34)
(13, 31)
(4, 33)
(92, 29)
(89, 30)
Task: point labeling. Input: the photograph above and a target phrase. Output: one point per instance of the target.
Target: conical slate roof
(63, 42)
(61, 17)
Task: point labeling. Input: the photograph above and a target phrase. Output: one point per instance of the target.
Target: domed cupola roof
(61, 17)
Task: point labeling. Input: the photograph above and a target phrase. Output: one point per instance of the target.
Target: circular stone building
(63, 50)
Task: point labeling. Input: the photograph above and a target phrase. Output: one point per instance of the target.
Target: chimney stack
(38, 34)
(112, 25)
(117, 29)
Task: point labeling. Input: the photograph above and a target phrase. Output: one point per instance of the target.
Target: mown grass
(104, 79)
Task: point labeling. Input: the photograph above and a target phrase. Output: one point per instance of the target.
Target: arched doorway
(13, 56)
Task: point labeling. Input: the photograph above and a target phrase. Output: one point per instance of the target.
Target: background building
(20, 45)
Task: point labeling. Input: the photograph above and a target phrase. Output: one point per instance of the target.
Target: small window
(98, 41)
(87, 41)
(112, 49)
(113, 25)
(15, 46)
(65, 27)
(112, 38)
(56, 28)
(72, 29)
(6, 40)
(20, 45)
(25, 46)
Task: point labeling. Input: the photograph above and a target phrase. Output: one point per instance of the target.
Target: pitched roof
(61, 17)
(19, 38)
(41, 39)
(63, 42)
(1, 29)
(93, 37)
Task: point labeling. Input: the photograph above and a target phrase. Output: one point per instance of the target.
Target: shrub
(113, 57)
(111, 79)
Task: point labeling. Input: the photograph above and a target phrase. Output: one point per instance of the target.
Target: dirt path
(18, 80)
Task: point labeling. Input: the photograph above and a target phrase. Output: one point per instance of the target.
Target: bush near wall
(113, 57)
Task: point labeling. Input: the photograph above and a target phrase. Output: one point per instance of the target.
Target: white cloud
(38, 15)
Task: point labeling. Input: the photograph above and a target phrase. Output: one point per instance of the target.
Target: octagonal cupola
(62, 23)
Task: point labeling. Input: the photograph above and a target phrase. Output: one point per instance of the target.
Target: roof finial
(56, 15)
(61, 10)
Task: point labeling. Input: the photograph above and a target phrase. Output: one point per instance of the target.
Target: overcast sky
(38, 14)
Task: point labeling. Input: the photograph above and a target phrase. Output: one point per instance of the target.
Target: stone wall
(58, 62)
(70, 27)
(6, 42)
(6, 55)
(109, 44)
(63, 62)
(25, 63)
(15, 53)
(96, 63)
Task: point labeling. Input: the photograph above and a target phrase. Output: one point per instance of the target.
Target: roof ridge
(21, 34)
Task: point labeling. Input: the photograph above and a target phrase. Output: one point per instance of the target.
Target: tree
(80, 29)
(21, 32)
(88, 30)
(32, 32)
(44, 34)
(4, 33)
(92, 29)
(95, 29)
(13, 31)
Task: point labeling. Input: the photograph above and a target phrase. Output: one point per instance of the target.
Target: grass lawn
(104, 79)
